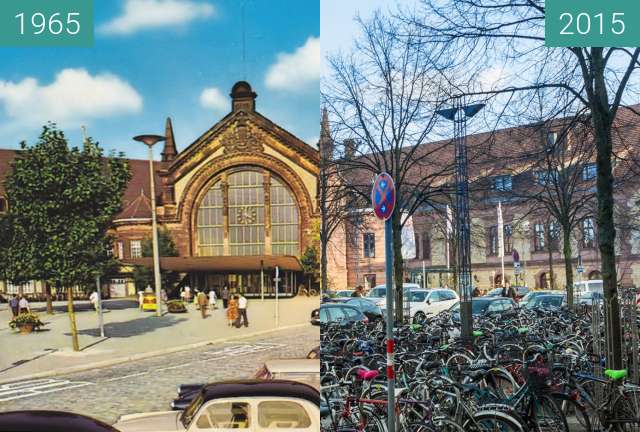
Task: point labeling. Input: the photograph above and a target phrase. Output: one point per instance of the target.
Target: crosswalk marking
(26, 389)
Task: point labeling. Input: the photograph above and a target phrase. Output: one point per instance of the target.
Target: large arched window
(241, 196)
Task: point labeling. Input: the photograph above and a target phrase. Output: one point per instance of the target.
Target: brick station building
(238, 202)
(356, 254)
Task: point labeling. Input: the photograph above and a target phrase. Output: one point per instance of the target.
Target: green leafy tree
(143, 276)
(62, 200)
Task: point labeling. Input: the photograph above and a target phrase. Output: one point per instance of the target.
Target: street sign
(580, 269)
(383, 196)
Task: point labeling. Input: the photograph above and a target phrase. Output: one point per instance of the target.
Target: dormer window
(503, 183)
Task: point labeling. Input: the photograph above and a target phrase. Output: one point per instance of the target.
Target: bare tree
(382, 100)
(476, 36)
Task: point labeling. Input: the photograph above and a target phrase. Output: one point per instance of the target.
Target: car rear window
(283, 415)
(225, 415)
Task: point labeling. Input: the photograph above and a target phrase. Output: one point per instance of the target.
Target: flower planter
(26, 328)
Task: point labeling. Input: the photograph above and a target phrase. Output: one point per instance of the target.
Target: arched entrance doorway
(544, 281)
(595, 275)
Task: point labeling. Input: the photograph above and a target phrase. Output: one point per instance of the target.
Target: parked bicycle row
(530, 369)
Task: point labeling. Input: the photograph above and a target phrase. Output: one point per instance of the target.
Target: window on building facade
(502, 183)
(552, 138)
(247, 206)
(493, 240)
(508, 243)
(136, 249)
(284, 220)
(545, 177)
(588, 234)
(369, 245)
(120, 249)
(426, 246)
(554, 236)
(589, 172)
(539, 237)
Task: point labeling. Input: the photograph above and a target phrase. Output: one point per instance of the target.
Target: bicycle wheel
(547, 415)
(625, 413)
(366, 420)
(492, 421)
(575, 413)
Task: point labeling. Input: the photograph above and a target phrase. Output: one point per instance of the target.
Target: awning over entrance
(220, 263)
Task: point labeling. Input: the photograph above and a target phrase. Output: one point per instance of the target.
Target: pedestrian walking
(358, 291)
(476, 292)
(14, 305)
(212, 299)
(187, 294)
(202, 300)
(232, 310)
(140, 299)
(225, 296)
(24, 305)
(242, 310)
(93, 298)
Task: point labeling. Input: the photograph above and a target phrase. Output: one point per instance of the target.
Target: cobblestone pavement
(150, 384)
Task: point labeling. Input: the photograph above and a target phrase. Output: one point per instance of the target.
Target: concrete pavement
(130, 334)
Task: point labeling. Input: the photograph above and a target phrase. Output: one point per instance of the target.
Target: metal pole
(154, 227)
(277, 280)
(424, 276)
(100, 317)
(388, 255)
(261, 281)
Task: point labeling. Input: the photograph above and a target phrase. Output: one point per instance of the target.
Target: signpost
(277, 281)
(383, 200)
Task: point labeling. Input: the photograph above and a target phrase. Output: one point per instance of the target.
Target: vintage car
(149, 301)
(252, 405)
(50, 421)
(300, 370)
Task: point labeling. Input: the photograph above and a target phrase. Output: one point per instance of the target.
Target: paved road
(150, 384)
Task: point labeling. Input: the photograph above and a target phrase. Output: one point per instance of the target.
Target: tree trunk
(47, 291)
(550, 250)
(568, 265)
(600, 115)
(398, 266)
(72, 319)
(324, 280)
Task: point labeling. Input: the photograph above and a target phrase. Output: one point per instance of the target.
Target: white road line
(12, 392)
(173, 367)
(126, 376)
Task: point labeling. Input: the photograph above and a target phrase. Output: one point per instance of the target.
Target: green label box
(592, 23)
(46, 23)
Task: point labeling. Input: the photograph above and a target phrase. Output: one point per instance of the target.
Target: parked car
(367, 307)
(255, 405)
(587, 298)
(482, 306)
(299, 370)
(496, 292)
(423, 302)
(521, 291)
(50, 421)
(314, 353)
(588, 286)
(533, 294)
(338, 312)
(149, 302)
(548, 301)
(343, 294)
(378, 294)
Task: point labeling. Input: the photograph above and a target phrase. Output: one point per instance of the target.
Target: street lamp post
(459, 114)
(150, 141)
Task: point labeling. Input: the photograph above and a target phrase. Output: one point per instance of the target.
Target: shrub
(26, 318)
(176, 306)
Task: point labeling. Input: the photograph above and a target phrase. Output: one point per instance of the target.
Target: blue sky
(157, 58)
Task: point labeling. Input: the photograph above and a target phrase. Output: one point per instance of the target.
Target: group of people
(19, 305)
(235, 305)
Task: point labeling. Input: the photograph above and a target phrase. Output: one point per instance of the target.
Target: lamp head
(149, 140)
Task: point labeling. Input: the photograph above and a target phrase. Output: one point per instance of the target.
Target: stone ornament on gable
(242, 139)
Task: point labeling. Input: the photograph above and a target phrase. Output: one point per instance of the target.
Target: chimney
(325, 144)
(169, 151)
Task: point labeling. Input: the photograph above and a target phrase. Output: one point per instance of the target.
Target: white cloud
(73, 97)
(493, 77)
(213, 98)
(298, 69)
(313, 141)
(149, 14)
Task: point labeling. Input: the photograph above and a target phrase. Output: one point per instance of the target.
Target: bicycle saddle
(368, 375)
(615, 374)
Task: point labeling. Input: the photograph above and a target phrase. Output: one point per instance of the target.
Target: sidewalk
(130, 333)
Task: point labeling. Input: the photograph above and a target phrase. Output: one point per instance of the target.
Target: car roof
(338, 304)
(293, 365)
(50, 421)
(260, 388)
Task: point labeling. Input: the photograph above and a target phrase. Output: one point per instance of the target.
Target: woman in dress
(232, 310)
